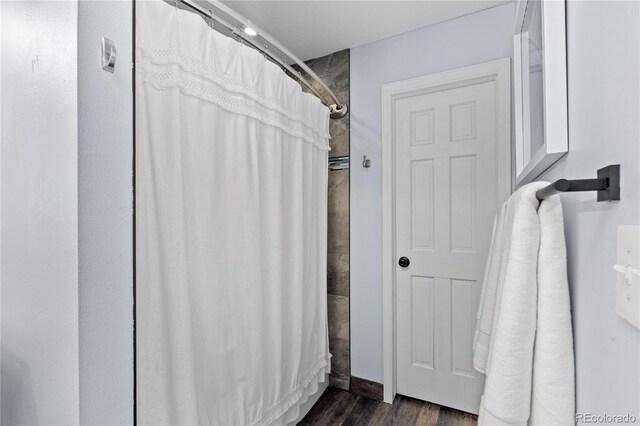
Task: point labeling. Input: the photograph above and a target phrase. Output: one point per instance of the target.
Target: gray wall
(39, 232)
(333, 69)
(105, 155)
(603, 49)
(472, 39)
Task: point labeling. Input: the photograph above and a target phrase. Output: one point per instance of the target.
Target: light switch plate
(628, 285)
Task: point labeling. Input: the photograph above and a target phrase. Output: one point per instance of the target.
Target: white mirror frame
(528, 165)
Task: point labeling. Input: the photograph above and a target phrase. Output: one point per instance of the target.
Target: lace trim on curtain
(318, 368)
(165, 69)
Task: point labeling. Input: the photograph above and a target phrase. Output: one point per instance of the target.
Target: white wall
(472, 39)
(603, 49)
(67, 229)
(105, 128)
(39, 277)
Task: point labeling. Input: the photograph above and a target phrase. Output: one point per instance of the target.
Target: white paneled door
(447, 189)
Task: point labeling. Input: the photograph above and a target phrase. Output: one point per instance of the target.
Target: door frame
(498, 71)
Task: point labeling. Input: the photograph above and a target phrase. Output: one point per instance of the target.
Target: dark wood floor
(339, 407)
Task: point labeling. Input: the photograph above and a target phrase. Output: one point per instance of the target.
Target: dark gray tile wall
(334, 71)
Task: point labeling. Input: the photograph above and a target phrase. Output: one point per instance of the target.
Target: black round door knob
(404, 261)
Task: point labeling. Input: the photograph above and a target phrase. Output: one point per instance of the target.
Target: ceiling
(312, 28)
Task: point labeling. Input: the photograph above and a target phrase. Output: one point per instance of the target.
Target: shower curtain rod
(337, 108)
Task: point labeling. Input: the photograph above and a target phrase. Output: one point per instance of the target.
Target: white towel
(484, 325)
(553, 397)
(525, 298)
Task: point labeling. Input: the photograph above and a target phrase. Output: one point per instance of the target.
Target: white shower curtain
(231, 224)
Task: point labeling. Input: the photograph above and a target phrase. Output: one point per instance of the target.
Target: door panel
(422, 312)
(422, 207)
(446, 186)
